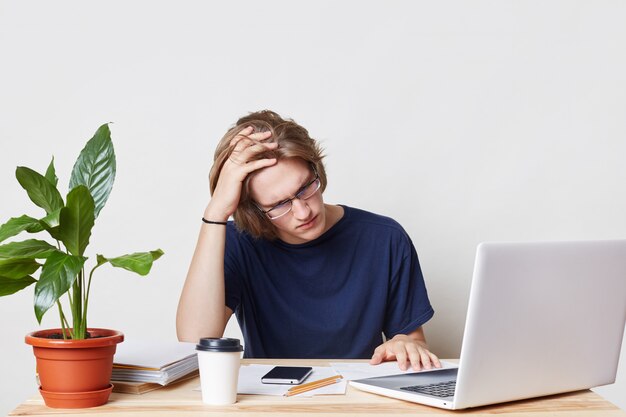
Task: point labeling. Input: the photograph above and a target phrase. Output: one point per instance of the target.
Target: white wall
(465, 121)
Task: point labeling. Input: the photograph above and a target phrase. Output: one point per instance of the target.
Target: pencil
(309, 386)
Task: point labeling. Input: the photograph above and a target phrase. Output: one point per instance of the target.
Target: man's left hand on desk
(407, 351)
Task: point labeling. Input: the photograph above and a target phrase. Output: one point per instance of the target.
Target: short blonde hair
(293, 142)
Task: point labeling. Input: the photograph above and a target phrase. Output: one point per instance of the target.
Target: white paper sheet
(360, 370)
(250, 382)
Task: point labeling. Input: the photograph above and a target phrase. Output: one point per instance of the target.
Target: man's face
(307, 219)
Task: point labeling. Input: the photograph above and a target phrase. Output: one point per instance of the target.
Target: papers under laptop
(543, 318)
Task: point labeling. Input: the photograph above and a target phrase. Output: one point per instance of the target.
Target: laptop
(543, 318)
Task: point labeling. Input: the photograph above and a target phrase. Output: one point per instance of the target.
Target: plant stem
(77, 307)
(69, 296)
(64, 324)
(65, 321)
(87, 294)
(83, 326)
(62, 319)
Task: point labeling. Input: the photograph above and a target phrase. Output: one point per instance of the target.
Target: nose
(300, 209)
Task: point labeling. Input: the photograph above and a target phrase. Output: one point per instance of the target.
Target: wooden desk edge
(180, 399)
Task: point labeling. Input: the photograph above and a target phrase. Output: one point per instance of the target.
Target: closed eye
(282, 203)
(288, 200)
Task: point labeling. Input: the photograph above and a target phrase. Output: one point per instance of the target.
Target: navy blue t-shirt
(327, 298)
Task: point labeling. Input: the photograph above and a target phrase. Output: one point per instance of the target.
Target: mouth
(308, 224)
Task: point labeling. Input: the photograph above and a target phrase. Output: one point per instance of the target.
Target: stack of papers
(250, 382)
(155, 362)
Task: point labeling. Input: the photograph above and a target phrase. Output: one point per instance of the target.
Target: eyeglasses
(284, 207)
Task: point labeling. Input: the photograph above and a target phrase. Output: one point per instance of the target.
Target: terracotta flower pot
(75, 373)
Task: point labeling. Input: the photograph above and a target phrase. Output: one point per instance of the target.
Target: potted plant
(74, 362)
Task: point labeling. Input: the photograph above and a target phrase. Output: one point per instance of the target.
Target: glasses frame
(298, 196)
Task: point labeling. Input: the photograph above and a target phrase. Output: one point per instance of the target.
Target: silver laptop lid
(543, 318)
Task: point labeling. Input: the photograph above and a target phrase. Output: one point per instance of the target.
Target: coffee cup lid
(223, 344)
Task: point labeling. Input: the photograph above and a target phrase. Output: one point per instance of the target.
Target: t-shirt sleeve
(232, 272)
(408, 306)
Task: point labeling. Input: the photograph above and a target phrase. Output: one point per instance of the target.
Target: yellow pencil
(313, 385)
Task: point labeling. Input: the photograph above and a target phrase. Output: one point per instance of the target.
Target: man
(305, 279)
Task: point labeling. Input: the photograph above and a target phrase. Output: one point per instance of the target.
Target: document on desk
(250, 382)
(361, 370)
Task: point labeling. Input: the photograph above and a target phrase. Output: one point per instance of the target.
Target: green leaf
(18, 267)
(16, 225)
(31, 248)
(51, 223)
(77, 219)
(51, 174)
(57, 276)
(10, 286)
(95, 167)
(39, 189)
(139, 262)
(51, 220)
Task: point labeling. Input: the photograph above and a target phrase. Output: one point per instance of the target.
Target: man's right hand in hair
(237, 167)
(202, 310)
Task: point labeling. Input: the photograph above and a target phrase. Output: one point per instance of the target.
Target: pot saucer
(76, 399)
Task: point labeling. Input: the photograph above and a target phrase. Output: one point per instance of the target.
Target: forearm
(201, 308)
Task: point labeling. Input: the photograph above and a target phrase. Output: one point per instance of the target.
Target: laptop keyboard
(440, 389)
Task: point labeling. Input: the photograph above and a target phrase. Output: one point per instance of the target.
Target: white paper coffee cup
(219, 361)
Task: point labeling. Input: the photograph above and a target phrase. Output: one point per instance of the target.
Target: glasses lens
(279, 210)
(309, 190)
(282, 209)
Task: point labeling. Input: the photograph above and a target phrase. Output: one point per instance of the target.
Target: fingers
(258, 164)
(242, 157)
(376, 359)
(434, 359)
(378, 356)
(391, 350)
(246, 154)
(244, 143)
(424, 358)
(400, 352)
(248, 134)
(388, 351)
(406, 353)
(421, 357)
(247, 144)
(258, 147)
(415, 357)
(241, 143)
